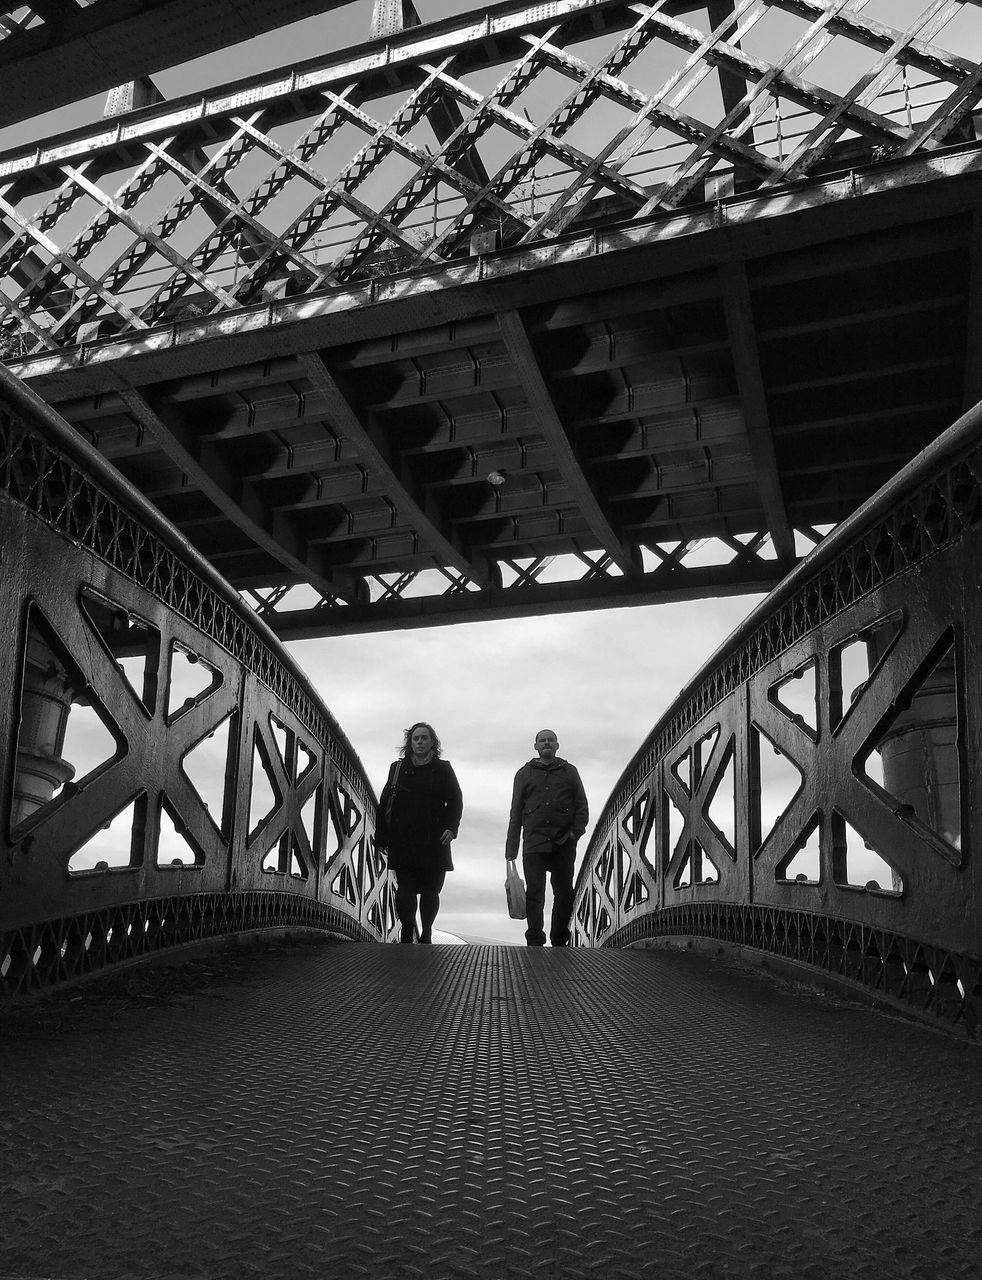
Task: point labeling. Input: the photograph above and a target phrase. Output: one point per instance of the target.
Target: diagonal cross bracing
(383, 463)
(844, 109)
(547, 421)
(522, 174)
(743, 341)
(311, 223)
(237, 500)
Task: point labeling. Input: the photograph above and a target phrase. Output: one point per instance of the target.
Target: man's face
(546, 744)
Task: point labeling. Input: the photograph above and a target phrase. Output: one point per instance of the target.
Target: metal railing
(815, 792)
(169, 775)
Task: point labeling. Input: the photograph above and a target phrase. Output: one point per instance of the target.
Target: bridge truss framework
(521, 311)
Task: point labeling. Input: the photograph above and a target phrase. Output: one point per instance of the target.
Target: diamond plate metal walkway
(308, 1109)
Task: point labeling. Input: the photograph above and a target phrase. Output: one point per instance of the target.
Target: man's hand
(446, 837)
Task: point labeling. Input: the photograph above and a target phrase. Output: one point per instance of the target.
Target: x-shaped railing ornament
(830, 758)
(692, 799)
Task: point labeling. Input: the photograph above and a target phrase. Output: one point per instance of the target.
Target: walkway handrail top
(58, 433)
(945, 450)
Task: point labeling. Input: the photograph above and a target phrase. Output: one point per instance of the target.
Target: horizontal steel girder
(466, 358)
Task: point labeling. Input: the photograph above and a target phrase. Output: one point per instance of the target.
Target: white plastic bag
(514, 891)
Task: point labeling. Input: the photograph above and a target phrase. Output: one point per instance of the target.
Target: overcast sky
(600, 679)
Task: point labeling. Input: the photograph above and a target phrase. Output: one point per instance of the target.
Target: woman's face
(421, 741)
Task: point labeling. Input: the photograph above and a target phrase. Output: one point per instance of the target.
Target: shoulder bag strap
(392, 791)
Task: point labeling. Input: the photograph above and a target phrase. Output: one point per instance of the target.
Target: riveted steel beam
(743, 341)
(732, 87)
(652, 401)
(912, 49)
(664, 586)
(238, 500)
(553, 429)
(848, 109)
(973, 339)
(392, 16)
(383, 462)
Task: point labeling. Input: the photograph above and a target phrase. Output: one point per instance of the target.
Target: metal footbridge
(534, 309)
(313, 1110)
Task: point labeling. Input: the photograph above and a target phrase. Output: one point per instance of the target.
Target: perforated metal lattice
(505, 130)
(145, 707)
(854, 857)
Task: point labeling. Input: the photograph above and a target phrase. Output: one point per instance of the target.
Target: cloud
(600, 679)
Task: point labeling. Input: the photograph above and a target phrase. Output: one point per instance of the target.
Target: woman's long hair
(407, 741)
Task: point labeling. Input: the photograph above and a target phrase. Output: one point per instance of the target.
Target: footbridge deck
(310, 1109)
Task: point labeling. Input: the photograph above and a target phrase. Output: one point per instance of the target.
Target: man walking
(549, 808)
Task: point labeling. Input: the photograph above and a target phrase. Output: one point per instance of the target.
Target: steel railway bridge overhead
(536, 308)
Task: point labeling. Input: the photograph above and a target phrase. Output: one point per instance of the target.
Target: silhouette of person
(549, 810)
(418, 817)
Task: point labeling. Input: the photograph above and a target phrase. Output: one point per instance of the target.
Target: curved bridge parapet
(168, 773)
(815, 792)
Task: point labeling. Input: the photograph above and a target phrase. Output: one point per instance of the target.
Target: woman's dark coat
(425, 801)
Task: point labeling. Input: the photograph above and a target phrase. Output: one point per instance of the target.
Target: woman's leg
(407, 890)
(430, 887)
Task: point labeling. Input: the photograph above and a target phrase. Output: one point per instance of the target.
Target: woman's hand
(446, 837)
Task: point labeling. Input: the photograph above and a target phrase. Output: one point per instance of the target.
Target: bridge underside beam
(201, 467)
(470, 470)
(674, 417)
(743, 337)
(389, 366)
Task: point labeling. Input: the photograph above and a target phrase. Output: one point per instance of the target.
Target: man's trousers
(557, 863)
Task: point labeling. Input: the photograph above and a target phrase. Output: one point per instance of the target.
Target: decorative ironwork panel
(815, 791)
(164, 756)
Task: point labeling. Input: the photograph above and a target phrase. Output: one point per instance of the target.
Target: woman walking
(419, 814)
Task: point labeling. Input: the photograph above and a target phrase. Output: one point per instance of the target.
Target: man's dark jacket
(548, 804)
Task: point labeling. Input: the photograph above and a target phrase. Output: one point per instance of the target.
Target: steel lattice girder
(275, 309)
